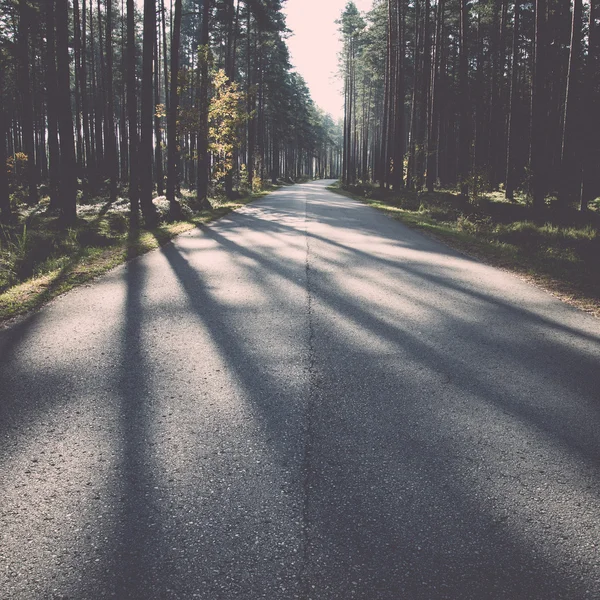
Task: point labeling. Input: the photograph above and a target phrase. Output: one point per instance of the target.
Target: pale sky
(314, 46)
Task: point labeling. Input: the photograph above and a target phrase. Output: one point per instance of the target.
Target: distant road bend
(302, 400)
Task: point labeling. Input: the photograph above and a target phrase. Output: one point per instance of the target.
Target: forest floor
(560, 253)
(39, 260)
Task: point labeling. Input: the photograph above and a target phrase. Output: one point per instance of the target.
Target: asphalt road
(303, 400)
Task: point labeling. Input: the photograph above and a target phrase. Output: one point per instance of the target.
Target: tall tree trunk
(163, 13)
(87, 134)
(230, 45)
(112, 158)
(570, 160)
(78, 59)
(497, 114)
(591, 140)
(5, 212)
(203, 156)
(432, 149)
(51, 106)
(538, 151)
(132, 115)
(158, 153)
(68, 162)
(172, 150)
(463, 75)
(123, 137)
(399, 133)
(424, 104)
(383, 161)
(106, 164)
(98, 108)
(250, 98)
(146, 144)
(510, 181)
(479, 146)
(411, 175)
(26, 16)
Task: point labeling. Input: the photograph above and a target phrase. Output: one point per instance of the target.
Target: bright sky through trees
(314, 46)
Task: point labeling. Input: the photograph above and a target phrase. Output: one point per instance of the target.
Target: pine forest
(120, 117)
(102, 96)
(475, 96)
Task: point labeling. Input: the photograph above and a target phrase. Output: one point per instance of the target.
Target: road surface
(304, 399)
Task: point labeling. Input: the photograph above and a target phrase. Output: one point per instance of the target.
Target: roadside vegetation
(561, 252)
(499, 101)
(123, 124)
(40, 259)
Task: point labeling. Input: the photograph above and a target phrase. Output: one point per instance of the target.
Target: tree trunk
(146, 144)
(98, 120)
(52, 112)
(250, 100)
(411, 170)
(5, 212)
(132, 115)
(26, 17)
(538, 151)
(172, 150)
(591, 148)
(78, 84)
(112, 158)
(510, 143)
(570, 160)
(464, 133)
(165, 54)
(158, 152)
(399, 134)
(434, 99)
(203, 156)
(68, 162)
(382, 165)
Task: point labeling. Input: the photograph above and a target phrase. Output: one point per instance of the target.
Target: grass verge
(563, 259)
(39, 261)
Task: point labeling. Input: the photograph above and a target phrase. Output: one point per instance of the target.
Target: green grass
(39, 260)
(563, 258)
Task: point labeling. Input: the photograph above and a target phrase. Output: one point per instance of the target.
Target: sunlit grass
(39, 261)
(562, 258)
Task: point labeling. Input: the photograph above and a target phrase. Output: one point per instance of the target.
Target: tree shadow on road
(450, 515)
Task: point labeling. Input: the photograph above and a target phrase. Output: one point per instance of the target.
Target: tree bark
(511, 142)
(68, 161)
(5, 212)
(591, 148)
(51, 108)
(26, 99)
(112, 158)
(146, 144)
(569, 159)
(203, 156)
(78, 83)
(132, 115)
(98, 108)
(434, 99)
(464, 133)
(158, 151)
(538, 156)
(399, 133)
(172, 149)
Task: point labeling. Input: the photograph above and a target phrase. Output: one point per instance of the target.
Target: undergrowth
(39, 260)
(560, 251)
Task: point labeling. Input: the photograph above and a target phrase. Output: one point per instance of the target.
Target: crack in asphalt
(308, 447)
